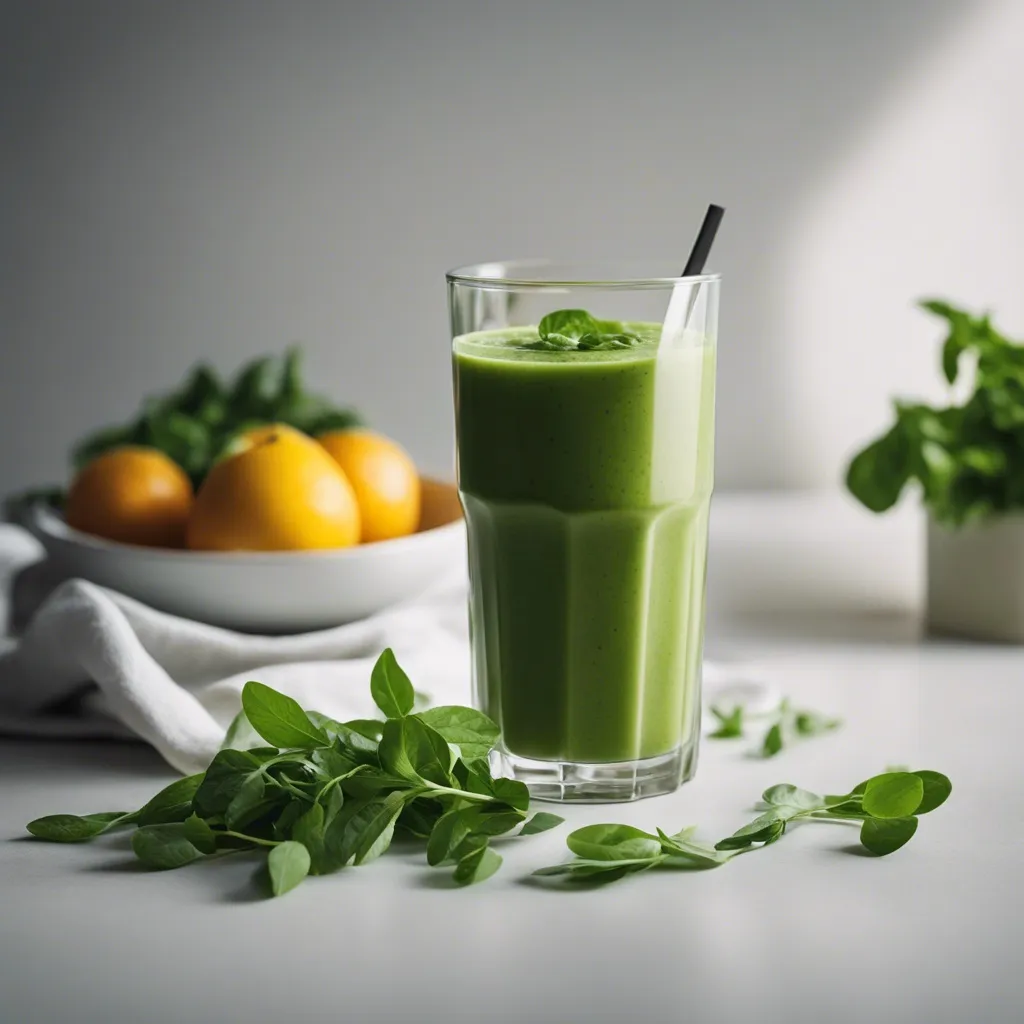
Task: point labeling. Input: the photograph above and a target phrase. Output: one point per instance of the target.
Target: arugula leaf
(448, 833)
(886, 835)
(773, 741)
(369, 728)
(599, 872)
(936, 790)
(576, 329)
(472, 731)
(786, 795)
(309, 831)
(390, 687)
(596, 341)
(412, 750)
(476, 866)
(288, 865)
(225, 776)
(569, 324)
(612, 842)
(730, 723)
(810, 723)
(368, 831)
(542, 821)
(684, 852)
(765, 829)
(247, 800)
(279, 719)
(164, 846)
(72, 828)
(893, 795)
(198, 832)
(173, 802)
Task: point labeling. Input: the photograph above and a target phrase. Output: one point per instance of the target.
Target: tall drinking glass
(584, 407)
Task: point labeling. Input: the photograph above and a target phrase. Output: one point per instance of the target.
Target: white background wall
(215, 179)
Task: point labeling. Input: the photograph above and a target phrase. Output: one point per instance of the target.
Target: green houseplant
(968, 459)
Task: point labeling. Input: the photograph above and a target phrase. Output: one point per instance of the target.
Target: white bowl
(266, 592)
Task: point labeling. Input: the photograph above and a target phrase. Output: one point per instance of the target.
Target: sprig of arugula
(576, 330)
(323, 795)
(887, 806)
(968, 458)
(785, 724)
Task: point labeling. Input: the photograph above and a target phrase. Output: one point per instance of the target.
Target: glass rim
(490, 275)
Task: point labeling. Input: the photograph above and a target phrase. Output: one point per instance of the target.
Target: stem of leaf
(249, 839)
(463, 794)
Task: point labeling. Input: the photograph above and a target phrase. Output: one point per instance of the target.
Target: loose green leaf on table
(895, 797)
(730, 722)
(773, 741)
(783, 725)
(607, 853)
(613, 842)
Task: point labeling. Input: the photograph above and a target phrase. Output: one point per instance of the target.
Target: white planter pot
(976, 580)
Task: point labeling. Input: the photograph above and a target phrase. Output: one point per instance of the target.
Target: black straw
(705, 239)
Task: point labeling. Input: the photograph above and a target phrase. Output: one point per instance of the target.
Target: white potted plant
(969, 461)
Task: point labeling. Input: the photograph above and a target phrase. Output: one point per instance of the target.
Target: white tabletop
(805, 930)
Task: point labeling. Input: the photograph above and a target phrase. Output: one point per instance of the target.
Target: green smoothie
(586, 478)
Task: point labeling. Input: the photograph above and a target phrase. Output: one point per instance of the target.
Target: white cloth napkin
(91, 662)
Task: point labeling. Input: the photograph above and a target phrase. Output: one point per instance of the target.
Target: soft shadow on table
(125, 866)
(855, 850)
(437, 878)
(238, 878)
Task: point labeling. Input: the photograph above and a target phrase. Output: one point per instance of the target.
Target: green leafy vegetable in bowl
(968, 458)
(195, 424)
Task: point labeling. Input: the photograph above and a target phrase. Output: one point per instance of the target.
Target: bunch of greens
(785, 724)
(195, 423)
(886, 806)
(323, 795)
(969, 458)
(577, 330)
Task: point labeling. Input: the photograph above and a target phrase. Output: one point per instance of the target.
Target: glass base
(612, 782)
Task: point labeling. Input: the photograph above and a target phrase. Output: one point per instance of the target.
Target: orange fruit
(132, 495)
(279, 492)
(384, 478)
